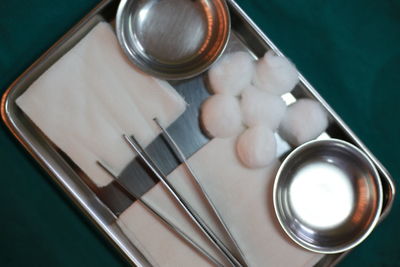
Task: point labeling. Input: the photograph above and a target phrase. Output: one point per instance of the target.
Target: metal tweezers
(163, 219)
(193, 215)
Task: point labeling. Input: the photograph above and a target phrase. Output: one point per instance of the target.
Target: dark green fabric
(349, 50)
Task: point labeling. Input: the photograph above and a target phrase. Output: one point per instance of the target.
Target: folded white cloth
(242, 195)
(91, 96)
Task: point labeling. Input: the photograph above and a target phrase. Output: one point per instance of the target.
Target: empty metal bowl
(327, 196)
(173, 39)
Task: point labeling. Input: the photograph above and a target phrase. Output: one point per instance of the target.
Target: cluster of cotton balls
(247, 100)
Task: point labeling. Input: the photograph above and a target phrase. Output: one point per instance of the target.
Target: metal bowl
(173, 39)
(327, 196)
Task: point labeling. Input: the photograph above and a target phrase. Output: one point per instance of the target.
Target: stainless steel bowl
(327, 196)
(173, 39)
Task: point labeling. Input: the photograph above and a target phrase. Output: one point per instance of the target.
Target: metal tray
(103, 205)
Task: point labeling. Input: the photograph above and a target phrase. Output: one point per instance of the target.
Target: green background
(349, 50)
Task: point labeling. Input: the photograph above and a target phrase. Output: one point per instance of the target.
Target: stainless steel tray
(102, 205)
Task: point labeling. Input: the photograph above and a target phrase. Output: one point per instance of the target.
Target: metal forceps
(193, 215)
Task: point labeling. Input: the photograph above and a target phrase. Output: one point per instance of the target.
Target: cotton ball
(232, 73)
(261, 107)
(304, 120)
(221, 116)
(256, 147)
(275, 74)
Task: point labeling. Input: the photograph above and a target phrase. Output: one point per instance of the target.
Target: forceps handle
(182, 202)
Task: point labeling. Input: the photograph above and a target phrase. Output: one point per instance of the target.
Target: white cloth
(242, 195)
(91, 96)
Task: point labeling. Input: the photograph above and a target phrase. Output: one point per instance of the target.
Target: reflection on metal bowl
(327, 196)
(173, 39)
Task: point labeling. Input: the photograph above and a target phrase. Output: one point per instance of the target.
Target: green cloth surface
(349, 51)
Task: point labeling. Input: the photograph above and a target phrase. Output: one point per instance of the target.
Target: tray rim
(10, 122)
